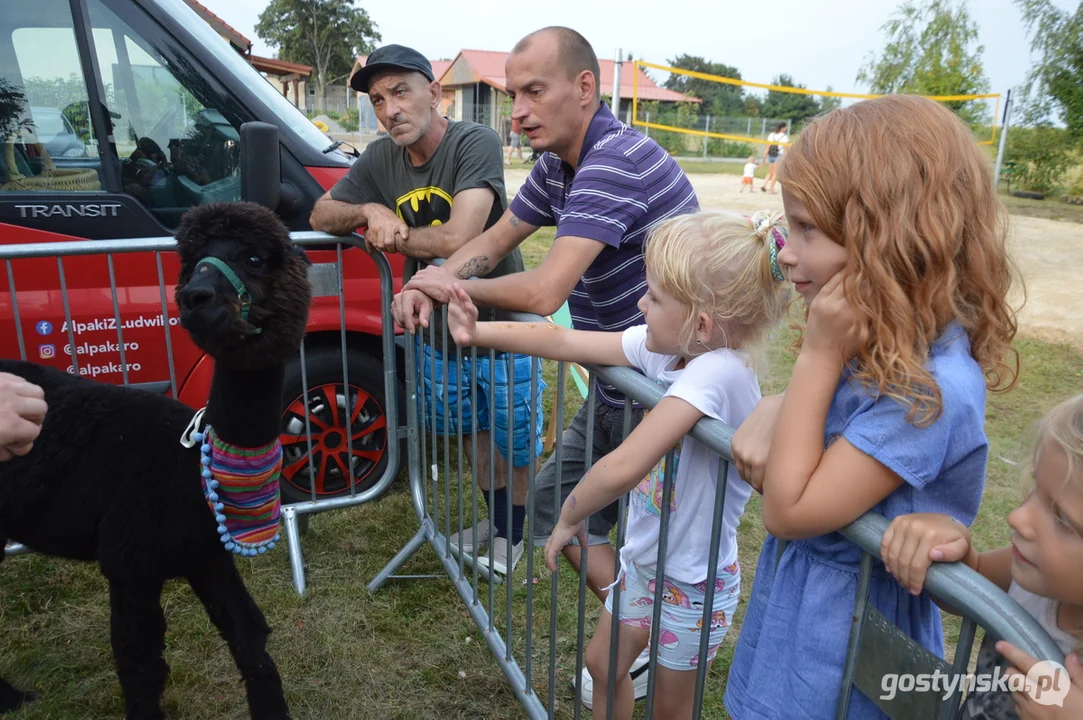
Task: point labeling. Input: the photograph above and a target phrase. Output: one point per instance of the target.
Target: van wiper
(337, 143)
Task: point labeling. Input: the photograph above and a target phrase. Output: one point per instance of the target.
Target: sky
(817, 42)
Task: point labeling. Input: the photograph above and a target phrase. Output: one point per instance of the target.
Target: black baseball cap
(390, 57)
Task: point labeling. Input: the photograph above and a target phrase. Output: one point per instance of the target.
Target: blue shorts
(492, 395)
(682, 612)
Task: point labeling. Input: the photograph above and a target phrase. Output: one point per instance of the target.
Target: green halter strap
(242, 292)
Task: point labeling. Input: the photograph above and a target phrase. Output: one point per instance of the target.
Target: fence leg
(293, 536)
(401, 557)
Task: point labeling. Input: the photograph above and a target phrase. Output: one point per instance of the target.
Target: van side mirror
(261, 171)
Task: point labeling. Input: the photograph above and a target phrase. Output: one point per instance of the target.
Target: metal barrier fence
(445, 493)
(439, 493)
(328, 281)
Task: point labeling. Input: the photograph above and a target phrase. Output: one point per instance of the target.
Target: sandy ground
(1049, 253)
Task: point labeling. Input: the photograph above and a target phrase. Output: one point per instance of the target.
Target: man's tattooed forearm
(478, 265)
(514, 221)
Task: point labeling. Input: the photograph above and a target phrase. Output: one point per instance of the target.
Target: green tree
(1056, 79)
(718, 98)
(1041, 155)
(829, 103)
(326, 34)
(795, 107)
(932, 49)
(13, 109)
(752, 106)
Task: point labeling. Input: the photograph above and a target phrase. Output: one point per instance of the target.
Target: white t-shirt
(721, 385)
(750, 169)
(779, 138)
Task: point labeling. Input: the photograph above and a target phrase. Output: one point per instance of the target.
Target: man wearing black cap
(425, 190)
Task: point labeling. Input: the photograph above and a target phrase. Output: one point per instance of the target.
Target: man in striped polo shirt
(603, 185)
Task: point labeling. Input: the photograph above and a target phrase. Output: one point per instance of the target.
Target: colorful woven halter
(241, 488)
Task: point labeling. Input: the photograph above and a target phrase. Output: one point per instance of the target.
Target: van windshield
(284, 111)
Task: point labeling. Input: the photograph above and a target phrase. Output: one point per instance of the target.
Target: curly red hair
(901, 184)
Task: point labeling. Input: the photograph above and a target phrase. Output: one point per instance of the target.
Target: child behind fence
(897, 245)
(713, 289)
(1040, 570)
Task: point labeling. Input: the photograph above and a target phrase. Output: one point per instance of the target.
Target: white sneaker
(499, 547)
(470, 539)
(639, 680)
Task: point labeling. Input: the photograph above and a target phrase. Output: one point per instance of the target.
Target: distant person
(772, 154)
(515, 141)
(750, 171)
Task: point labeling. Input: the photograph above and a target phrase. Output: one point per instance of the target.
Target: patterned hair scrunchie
(767, 227)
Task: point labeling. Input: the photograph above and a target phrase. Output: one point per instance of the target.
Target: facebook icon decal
(44, 327)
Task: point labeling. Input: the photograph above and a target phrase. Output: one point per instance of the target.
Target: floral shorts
(682, 612)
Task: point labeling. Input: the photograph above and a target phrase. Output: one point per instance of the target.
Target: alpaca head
(243, 289)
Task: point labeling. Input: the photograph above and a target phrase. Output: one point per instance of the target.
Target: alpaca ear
(299, 252)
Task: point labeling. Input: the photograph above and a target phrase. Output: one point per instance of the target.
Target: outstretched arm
(539, 339)
(621, 470)
(541, 290)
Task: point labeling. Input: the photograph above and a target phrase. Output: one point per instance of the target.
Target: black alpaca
(109, 480)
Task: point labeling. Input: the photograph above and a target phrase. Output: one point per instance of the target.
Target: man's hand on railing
(434, 281)
(385, 230)
(462, 318)
(752, 441)
(411, 309)
(1049, 695)
(912, 543)
(22, 411)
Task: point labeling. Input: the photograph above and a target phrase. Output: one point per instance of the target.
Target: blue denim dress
(792, 645)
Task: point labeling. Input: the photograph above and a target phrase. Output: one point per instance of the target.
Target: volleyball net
(731, 134)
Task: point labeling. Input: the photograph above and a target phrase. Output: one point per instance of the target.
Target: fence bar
(15, 312)
(722, 484)
(861, 601)
(65, 301)
(562, 379)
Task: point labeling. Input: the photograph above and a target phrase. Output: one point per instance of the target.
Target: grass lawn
(410, 651)
(711, 167)
(1051, 208)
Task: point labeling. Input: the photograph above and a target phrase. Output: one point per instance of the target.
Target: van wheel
(345, 450)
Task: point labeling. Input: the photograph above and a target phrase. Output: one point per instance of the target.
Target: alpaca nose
(195, 297)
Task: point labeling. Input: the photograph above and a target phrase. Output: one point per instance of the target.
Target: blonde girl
(1040, 569)
(713, 288)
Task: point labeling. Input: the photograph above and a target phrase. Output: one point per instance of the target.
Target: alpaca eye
(255, 261)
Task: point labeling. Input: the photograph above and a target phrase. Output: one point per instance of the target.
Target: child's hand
(831, 321)
(1058, 697)
(752, 441)
(462, 317)
(913, 542)
(561, 536)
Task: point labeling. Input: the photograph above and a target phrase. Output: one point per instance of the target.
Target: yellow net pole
(635, 92)
(996, 118)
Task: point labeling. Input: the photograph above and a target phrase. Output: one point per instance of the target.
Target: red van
(117, 116)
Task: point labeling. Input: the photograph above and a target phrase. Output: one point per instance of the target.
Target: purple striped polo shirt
(625, 184)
